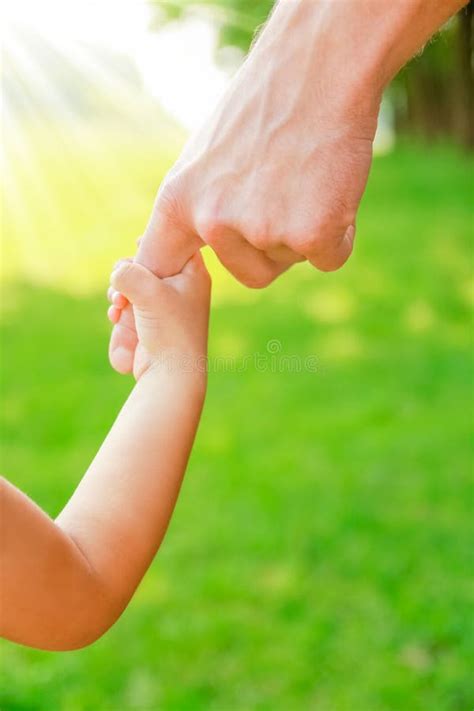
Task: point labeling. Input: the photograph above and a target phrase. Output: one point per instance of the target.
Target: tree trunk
(465, 119)
(438, 87)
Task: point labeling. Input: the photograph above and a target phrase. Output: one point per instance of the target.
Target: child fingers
(136, 283)
(123, 343)
(119, 300)
(122, 260)
(113, 314)
(116, 298)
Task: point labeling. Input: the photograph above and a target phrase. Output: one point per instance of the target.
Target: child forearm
(89, 562)
(121, 509)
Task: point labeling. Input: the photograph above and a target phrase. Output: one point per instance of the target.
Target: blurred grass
(319, 557)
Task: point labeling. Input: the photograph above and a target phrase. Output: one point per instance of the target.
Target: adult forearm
(277, 173)
(396, 30)
(365, 42)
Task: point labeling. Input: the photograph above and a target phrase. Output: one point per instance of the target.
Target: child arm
(65, 582)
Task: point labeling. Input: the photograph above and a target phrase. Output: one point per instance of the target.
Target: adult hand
(277, 174)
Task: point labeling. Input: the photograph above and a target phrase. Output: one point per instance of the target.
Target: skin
(277, 174)
(63, 583)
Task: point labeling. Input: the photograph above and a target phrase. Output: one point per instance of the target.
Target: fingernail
(350, 233)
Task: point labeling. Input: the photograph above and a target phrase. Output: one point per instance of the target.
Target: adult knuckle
(260, 239)
(320, 233)
(257, 234)
(324, 223)
(302, 240)
(335, 220)
(211, 227)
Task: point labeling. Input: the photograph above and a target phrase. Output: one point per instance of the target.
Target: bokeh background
(319, 557)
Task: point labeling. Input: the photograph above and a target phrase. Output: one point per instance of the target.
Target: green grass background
(319, 557)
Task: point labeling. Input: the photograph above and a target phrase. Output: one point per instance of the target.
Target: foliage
(319, 557)
(237, 19)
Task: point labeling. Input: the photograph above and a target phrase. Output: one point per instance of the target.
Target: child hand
(171, 314)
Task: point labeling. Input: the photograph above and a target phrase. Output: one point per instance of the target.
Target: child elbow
(74, 642)
(84, 626)
(80, 636)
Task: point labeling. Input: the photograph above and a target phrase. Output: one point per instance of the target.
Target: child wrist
(188, 368)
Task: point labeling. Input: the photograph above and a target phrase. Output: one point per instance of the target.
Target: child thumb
(136, 282)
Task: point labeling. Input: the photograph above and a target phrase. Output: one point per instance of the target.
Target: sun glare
(175, 64)
(81, 80)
